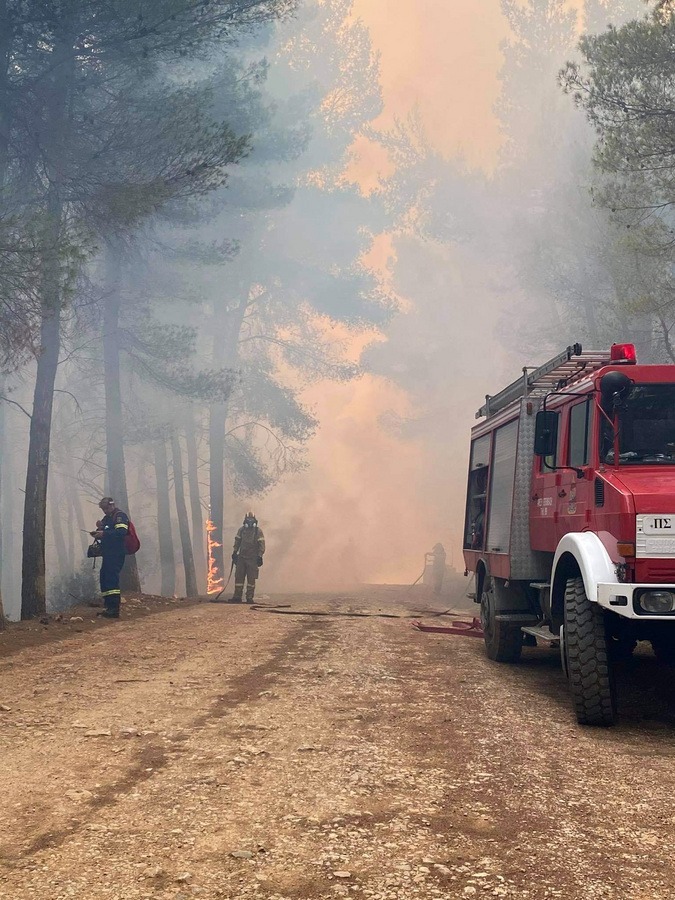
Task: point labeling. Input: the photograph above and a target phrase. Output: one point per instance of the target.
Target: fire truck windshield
(646, 427)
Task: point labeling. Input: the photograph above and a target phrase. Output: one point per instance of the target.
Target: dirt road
(220, 752)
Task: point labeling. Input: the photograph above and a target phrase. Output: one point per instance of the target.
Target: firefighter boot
(112, 607)
(238, 592)
(250, 591)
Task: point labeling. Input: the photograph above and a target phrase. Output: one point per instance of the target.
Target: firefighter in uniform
(247, 555)
(438, 567)
(111, 531)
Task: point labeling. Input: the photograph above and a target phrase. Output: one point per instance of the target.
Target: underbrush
(73, 589)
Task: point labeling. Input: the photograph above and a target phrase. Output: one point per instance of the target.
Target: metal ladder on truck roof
(570, 365)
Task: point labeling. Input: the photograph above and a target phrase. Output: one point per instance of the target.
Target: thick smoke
(487, 179)
(309, 269)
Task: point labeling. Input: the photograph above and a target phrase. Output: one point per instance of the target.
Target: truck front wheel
(587, 655)
(503, 643)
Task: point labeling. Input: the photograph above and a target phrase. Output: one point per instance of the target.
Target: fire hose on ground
(461, 627)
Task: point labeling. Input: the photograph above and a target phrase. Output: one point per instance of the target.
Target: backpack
(132, 543)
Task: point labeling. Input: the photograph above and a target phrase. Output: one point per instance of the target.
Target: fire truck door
(574, 495)
(543, 506)
(543, 495)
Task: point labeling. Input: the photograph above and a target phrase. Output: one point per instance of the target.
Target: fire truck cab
(570, 516)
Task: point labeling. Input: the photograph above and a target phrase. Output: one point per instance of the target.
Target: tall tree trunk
(70, 543)
(183, 526)
(646, 323)
(218, 414)
(198, 536)
(114, 423)
(8, 487)
(225, 343)
(167, 561)
(591, 321)
(55, 514)
(6, 38)
(2, 448)
(76, 504)
(33, 600)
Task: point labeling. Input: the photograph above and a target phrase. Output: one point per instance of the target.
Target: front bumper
(621, 599)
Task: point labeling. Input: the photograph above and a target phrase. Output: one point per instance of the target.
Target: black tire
(590, 672)
(503, 643)
(564, 662)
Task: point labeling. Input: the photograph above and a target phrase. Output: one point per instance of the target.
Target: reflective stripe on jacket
(115, 528)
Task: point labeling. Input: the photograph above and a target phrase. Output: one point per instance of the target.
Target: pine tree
(80, 113)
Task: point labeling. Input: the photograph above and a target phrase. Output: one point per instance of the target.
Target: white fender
(594, 562)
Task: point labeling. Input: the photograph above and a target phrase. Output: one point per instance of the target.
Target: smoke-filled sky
(443, 58)
(386, 471)
(446, 170)
(368, 505)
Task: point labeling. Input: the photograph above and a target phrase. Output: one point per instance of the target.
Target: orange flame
(214, 577)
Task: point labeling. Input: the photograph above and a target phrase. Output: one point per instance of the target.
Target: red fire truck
(570, 516)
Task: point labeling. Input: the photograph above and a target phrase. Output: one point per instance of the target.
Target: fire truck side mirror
(546, 433)
(614, 387)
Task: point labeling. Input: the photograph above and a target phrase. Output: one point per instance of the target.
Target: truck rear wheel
(503, 643)
(587, 656)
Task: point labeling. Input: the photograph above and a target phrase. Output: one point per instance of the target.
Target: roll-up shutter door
(501, 488)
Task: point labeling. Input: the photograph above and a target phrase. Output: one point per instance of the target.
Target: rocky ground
(227, 752)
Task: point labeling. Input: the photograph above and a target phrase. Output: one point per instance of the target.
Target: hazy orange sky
(442, 56)
(362, 506)
(364, 509)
